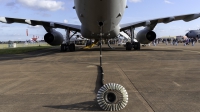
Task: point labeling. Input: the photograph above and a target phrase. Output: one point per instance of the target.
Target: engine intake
(54, 38)
(145, 36)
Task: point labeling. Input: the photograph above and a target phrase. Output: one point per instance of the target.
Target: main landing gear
(67, 46)
(132, 44)
(111, 96)
(135, 45)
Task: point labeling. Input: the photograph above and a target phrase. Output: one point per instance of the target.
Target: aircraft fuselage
(193, 34)
(91, 12)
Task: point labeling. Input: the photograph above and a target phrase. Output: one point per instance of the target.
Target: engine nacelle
(54, 38)
(145, 36)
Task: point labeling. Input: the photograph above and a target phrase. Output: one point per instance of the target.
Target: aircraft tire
(128, 46)
(134, 45)
(112, 97)
(72, 47)
(138, 46)
(63, 47)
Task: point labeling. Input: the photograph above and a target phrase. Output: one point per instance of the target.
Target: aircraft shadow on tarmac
(55, 50)
(123, 49)
(37, 53)
(84, 106)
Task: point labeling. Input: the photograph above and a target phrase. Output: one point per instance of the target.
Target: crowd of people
(175, 42)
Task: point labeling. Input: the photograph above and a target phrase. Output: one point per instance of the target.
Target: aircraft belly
(91, 12)
(88, 34)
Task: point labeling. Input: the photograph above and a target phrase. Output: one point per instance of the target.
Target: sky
(62, 11)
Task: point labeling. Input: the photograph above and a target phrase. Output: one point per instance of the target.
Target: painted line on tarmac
(175, 83)
(195, 51)
(136, 91)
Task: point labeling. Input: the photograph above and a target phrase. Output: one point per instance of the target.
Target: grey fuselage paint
(91, 12)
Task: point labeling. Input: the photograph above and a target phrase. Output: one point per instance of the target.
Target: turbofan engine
(145, 36)
(54, 38)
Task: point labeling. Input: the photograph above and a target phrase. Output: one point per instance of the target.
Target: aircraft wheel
(134, 45)
(88, 43)
(128, 46)
(72, 47)
(63, 47)
(138, 46)
(112, 97)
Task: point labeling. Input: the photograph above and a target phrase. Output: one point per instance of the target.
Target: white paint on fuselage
(91, 12)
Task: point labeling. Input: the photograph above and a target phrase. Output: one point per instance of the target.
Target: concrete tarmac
(157, 78)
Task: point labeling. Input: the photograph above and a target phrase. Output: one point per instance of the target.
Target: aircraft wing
(153, 22)
(38, 22)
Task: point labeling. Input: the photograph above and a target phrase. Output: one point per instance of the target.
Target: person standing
(176, 42)
(192, 41)
(166, 41)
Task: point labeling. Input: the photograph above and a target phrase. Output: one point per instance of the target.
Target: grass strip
(21, 50)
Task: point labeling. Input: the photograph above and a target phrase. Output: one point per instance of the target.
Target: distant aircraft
(100, 19)
(193, 34)
(34, 39)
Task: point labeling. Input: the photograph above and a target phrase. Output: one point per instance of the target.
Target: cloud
(135, 1)
(65, 21)
(50, 5)
(168, 2)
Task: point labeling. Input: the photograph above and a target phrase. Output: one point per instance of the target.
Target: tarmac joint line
(176, 84)
(137, 93)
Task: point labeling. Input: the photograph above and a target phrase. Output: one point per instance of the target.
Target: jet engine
(54, 38)
(145, 36)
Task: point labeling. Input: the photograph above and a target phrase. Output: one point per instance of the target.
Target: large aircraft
(100, 19)
(193, 34)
